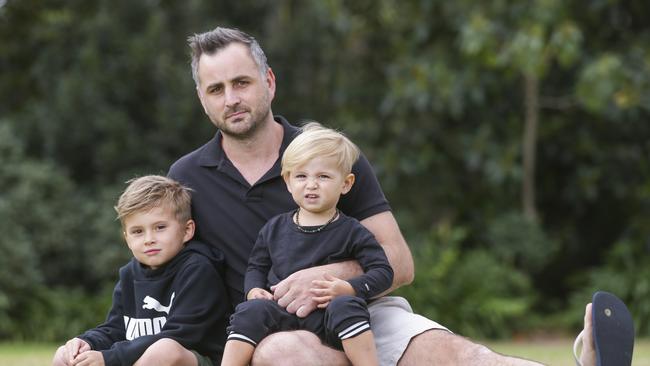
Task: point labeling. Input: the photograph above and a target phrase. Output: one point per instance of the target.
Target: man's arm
(293, 292)
(385, 229)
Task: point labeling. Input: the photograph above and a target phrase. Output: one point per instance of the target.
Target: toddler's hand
(326, 290)
(259, 293)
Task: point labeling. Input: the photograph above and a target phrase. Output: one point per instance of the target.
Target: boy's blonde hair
(151, 191)
(318, 141)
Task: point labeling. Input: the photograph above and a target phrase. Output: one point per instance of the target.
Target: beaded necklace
(317, 229)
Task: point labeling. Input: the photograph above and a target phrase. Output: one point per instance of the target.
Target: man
(237, 188)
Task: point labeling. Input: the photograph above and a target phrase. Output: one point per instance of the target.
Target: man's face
(234, 94)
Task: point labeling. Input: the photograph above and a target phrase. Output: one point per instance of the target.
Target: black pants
(344, 317)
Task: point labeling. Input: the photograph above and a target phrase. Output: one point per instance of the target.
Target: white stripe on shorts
(241, 337)
(354, 329)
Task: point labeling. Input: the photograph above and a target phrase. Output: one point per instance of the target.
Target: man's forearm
(387, 233)
(343, 270)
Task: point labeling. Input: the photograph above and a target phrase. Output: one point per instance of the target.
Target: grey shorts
(393, 325)
(202, 360)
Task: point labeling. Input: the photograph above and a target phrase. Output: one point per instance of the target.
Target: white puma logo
(151, 303)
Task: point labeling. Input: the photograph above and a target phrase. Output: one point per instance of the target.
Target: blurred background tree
(510, 137)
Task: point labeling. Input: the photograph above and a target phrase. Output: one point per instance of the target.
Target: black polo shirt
(229, 212)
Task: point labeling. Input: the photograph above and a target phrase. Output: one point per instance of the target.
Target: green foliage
(59, 314)
(520, 243)
(626, 273)
(472, 292)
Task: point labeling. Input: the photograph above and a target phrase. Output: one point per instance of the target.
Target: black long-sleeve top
(282, 249)
(184, 300)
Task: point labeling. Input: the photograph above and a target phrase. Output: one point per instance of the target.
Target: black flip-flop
(613, 331)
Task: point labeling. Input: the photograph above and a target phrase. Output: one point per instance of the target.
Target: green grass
(559, 352)
(551, 352)
(26, 354)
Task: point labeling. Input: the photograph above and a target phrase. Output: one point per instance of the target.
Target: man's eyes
(215, 90)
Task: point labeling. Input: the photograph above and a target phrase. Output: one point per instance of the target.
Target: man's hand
(259, 293)
(293, 294)
(74, 347)
(89, 358)
(326, 290)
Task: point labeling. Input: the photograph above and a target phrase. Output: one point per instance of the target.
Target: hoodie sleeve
(259, 265)
(112, 330)
(378, 274)
(200, 305)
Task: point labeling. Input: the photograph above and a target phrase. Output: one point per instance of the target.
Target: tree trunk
(530, 145)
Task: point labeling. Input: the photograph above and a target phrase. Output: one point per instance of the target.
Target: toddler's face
(317, 185)
(156, 236)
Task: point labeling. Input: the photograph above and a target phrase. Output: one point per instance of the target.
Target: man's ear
(348, 182)
(200, 95)
(190, 226)
(270, 82)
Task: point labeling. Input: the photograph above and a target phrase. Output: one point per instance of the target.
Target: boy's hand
(331, 287)
(74, 347)
(89, 358)
(259, 293)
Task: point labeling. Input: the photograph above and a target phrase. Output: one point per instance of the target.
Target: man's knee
(441, 346)
(296, 348)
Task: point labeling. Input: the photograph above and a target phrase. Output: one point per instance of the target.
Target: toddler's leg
(347, 319)
(361, 349)
(252, 321)
(237, 353)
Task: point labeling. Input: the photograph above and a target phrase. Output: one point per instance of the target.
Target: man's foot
(608, 335)
(588, 355)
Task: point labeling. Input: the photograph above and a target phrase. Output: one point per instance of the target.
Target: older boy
(169, 306)
(316, 167)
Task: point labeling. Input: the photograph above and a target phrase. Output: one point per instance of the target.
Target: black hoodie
(184, 300)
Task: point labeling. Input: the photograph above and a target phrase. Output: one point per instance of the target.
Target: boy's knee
(164, 351)
(59, 359)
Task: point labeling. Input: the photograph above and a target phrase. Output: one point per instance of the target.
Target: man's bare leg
(429, 348)
(439, 347)
(296, 348)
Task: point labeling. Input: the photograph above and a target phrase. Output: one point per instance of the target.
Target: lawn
(560, 352)
(555, 353)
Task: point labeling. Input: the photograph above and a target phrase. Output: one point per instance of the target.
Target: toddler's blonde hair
(318, 141)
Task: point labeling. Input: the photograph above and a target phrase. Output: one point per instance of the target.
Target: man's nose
(232, 97)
